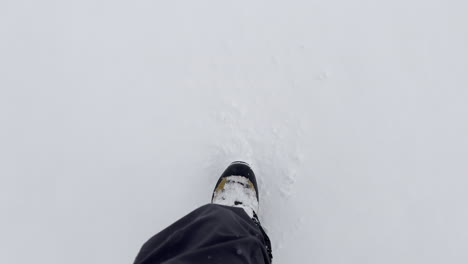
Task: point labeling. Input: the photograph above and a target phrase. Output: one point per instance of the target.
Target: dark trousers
(210, 234)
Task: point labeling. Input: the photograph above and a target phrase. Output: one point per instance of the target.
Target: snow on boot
(237, 187)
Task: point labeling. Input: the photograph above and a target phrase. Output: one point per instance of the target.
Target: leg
(210, 234)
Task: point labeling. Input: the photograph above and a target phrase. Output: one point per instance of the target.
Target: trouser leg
(210, 234)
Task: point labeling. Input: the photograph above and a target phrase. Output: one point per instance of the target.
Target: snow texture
(238, 191)
(117, 118)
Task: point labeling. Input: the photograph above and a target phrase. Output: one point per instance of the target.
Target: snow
(117, 118)
(237, 191)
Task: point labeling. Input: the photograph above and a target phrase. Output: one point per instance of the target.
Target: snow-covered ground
(117, 117)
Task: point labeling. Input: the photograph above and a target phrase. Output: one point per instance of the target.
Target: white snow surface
(117, 118)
